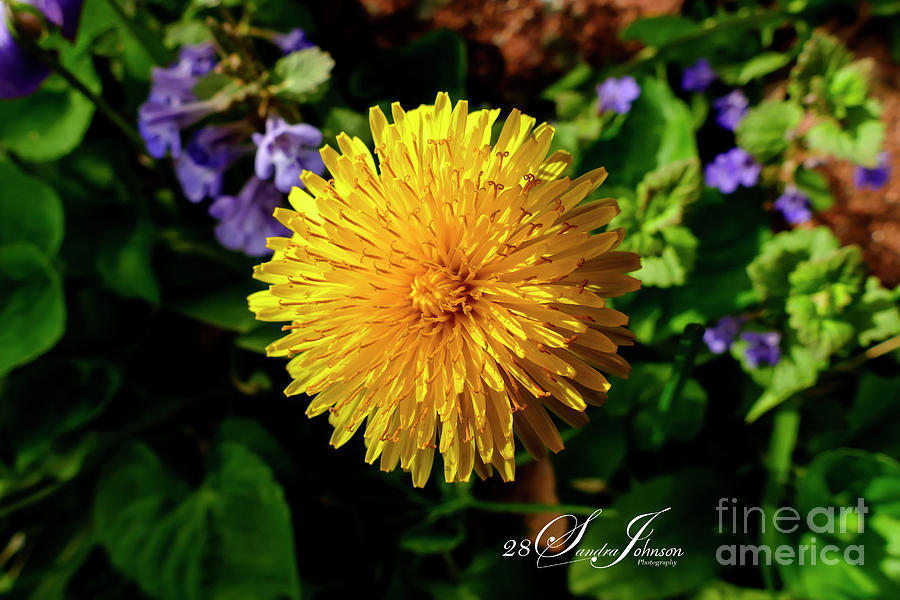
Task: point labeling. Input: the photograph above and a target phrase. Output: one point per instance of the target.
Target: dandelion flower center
(439, 295)
(445, 293)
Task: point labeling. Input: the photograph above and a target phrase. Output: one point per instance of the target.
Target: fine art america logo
(553, 551)
(637, 542)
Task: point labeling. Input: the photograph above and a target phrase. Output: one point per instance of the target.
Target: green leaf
(32, 309)
(848, 87)
(50, 123)
(228, 539)
(797, 370)
(124, 261)
(578, 76)
(841, 478)
(300, 75)
(652, 219)
(820, 58)
(815, 186)
(688, 494)
(766, 129)
(656, 419)
(875, 315)
(30, 210)
(224, 307)
(820, 291)
(758, 66)
(720, 590)
(211, 84)
(778, 257)
(340, 119)
(657, 31)
(254, 437)
(674, 262)
(859, 139)
(37, 409)
(656, 132)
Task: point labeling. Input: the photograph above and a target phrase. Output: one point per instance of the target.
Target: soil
(871, 218)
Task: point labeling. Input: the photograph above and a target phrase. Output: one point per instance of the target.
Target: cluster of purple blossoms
(794, 205)
(762, 347)
(283, 151)
(731, 109)
(617, 94)
(698, 76)
(730, 169)
(172, 105)
(287, 150)
(22, 73)
(245, 220)
(720, 336)
(873, 178)
(201, 167)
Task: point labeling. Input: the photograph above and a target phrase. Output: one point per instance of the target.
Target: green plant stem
(102, 105)
(889, 345)
(778, 463)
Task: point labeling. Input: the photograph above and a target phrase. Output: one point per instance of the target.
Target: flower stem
(49, 59)
(778, 463)
(875, 351)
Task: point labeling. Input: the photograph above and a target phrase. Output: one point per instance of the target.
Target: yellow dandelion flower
(448, 293)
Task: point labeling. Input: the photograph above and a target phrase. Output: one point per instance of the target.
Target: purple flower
(202, 165)
(172, 104)
(245, 220)
(287, 150)
(730, 109)
(198, 59)
(730, 169)
(21, 73)
(293, 40)
(720, 336)
(160, 124)
(617, 94)
(65, 14)
(876, 177)
(762, 347)
(794, 205)
(698, 76)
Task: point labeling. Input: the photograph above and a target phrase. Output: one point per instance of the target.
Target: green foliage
(31, 304)
(52, 122)
(657, 31)
(627, 580)
(653, 219)
(829, 305)
(228, 538)
(758, 66)
(765, 131)
(657, 132)
(819, 60)
(299, 75)
(840, 478)
(146, 449)
(859, 139)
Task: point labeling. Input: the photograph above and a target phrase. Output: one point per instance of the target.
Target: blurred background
(146, 448)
